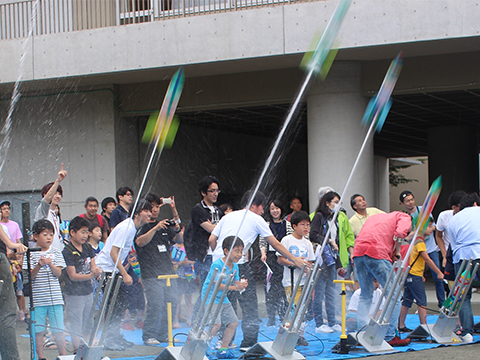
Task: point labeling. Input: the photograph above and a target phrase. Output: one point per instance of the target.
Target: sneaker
(337, 328)
(152, 341)
(398, 341)
(301, 341)
(126, 326)
(218, 345)
(467, 338)
(404, 330)
(165, 341)
(324, 329)
(225, 354)
(139, 324)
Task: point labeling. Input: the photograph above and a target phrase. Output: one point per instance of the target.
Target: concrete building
(94, 70)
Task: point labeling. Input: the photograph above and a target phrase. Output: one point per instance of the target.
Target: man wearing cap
(362, 212)
(408, 201)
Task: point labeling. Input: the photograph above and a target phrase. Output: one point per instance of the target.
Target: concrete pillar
(453, 153)
(335, 135)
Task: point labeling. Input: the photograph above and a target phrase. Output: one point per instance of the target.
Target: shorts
(225, 316)
(414, 290)
(78, 311)
(55, 318)
(288, 292)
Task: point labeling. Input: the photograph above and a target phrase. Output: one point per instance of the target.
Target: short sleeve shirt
(299, 248)
(81, 260)
(219, 264)
(46, 287)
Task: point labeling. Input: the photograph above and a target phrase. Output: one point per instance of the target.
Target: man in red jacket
(375, 249)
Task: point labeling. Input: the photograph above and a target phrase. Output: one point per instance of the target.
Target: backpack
(99, 219)
(188, 241)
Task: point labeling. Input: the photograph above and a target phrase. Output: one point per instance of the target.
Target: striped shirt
(46, 287)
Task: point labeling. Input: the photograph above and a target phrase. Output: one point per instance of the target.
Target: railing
(58, 16)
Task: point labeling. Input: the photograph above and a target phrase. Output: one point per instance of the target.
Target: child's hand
(127, 279)
(423, 278)
(96, 271)
(241, 285)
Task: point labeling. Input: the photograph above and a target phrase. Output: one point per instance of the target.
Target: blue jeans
(439, 288)
(368, 269)
(325, 288)
(466, 314)
(201, 271)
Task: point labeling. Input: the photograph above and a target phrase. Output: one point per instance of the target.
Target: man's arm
(277, 245)
(207, 226)
(144, 239)
(212, 241)
(127, 279)
(61, 175)
(19, 247)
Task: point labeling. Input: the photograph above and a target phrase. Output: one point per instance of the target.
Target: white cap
(323, 190)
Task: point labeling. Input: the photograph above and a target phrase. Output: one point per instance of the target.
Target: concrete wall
(75, 129)
(263, 32)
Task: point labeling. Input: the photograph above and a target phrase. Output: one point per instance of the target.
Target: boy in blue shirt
(226, 315)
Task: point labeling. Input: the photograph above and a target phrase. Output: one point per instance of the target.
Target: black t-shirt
(154, 258)
(201, 213)
(81, 261)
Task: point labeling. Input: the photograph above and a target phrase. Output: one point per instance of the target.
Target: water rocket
(162, 126)
(421, 220)
(379, 106)
(321, 59)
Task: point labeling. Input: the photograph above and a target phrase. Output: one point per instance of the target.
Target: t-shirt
(464, 233)
(122, 237)
(416, 259)
(430, 242)
(81, 261)
(219, 264)
(46, 287)
(44, 212)
(443, 219)
(154, 258)
(13, 230)
(357, 220)
(201, 213)
(98, 220)
(97, 249)
(246, 224)
(355, 299)
(118, 215)
(3, 247)
(300, 248)
(376, 237)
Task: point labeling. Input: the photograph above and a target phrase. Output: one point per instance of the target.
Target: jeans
(158, 294)
(249, 303)
(466, 314)
(367, 269)
(325, 288)
(201, 271)
(8, 312)
(276, 300)
(439, 288)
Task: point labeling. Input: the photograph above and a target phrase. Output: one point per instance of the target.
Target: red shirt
(376, 237)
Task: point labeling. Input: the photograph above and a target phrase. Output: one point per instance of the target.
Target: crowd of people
(128, 239)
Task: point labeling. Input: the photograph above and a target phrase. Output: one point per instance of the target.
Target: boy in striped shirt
(46, 268)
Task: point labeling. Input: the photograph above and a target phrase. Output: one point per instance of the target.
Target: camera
(171, 223)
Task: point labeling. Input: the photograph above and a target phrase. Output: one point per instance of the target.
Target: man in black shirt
(8, 301)
(153, 244)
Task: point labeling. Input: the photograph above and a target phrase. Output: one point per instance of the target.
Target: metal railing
(59, 16)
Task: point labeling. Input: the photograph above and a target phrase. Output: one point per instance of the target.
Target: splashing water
(16, 94)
